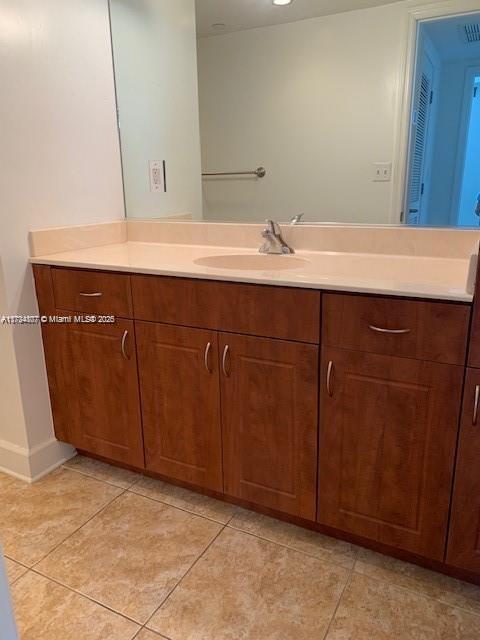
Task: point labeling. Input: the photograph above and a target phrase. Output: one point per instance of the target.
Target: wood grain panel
(46, 306)
(387, 446)
(464, 537)
(44, 288)
(275, 312)
(437, 331)
(71, 285)
(269, 421)
(97, 401)
(181, 403)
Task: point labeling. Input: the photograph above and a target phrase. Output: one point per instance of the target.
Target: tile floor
(100, 553)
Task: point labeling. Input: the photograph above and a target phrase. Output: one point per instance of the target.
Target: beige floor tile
(410, 576)
(146, 634)
(14, 570)
(102, 471)
(247, 588)
(5, 480)
(48, 611)
(34, 518)
(131, 555)
(185, 499)
(315, 544)
(376, 610)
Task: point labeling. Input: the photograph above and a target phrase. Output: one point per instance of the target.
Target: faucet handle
(273, 227)
(296, 219)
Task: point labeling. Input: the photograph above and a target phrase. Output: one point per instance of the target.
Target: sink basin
(254, 262)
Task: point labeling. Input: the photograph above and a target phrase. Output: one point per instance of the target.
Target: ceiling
(448, 40)
(238, 15)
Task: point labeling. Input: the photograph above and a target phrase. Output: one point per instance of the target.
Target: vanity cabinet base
(224, 400)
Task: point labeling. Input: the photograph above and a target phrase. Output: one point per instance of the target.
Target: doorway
(443, 183)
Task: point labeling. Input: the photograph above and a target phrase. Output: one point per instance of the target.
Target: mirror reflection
(308, 112)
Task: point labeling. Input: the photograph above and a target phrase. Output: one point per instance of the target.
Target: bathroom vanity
(337, 410)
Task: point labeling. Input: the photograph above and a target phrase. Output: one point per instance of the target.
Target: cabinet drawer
(92, 292)
(422, 330)
(274, 312)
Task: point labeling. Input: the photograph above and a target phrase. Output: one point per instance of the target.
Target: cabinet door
(95, 401)
(269, 419)
(387, 443)
(464, 538)
(181, 403)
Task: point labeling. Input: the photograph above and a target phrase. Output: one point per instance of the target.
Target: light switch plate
(382, 172)
(157, 176)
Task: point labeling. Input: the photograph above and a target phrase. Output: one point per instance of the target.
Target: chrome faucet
(274, 243)
(296, 219)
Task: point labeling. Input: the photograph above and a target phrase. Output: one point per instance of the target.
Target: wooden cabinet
(387, 444)
(464, 537)
(419, 329)
(229, 306)
(92, 292)
(95, 397)
(181, 403)
(269, 418)
(226, 397)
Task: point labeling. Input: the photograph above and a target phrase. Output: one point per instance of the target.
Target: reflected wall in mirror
(346, 111)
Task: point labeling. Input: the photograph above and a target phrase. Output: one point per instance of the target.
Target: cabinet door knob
(393, 331)
(224, 361)
(329, 378)
(208, 348)
(475, 404)
(124, 342)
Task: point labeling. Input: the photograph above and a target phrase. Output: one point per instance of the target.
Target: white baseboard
(30, 465)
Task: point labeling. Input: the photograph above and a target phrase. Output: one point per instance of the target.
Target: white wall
(59, 165)
(12, 420)
(156, 75)
(315, 103)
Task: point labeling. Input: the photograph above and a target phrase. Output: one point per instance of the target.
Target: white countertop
(398, 275)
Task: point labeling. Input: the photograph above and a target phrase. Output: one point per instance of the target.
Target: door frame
(415, 15)
(471, 72)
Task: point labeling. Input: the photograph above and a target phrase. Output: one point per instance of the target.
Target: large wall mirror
(311, 111)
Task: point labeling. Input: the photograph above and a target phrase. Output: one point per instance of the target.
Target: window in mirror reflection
(444, 168)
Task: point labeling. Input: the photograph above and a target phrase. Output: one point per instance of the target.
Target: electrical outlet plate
(157, 176)
(382, 172)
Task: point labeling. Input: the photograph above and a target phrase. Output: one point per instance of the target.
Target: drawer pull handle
(224, 361)
(329, 378)
(91, 295)
(392, 331)
(475, 405)
(208, 348)
(124, 342)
